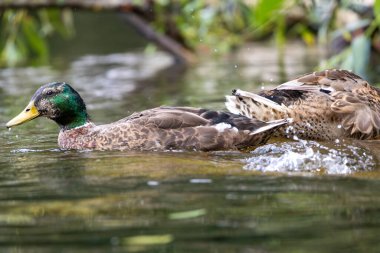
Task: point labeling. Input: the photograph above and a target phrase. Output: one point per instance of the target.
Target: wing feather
(327, 80)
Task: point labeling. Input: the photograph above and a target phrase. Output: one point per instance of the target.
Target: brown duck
(160, 128)
(324, 105)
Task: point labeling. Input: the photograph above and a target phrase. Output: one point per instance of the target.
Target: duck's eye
(49, 93)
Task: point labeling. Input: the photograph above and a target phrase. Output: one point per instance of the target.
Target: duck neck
(67, 122)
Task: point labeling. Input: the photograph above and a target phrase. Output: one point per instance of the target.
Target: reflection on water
(17, 81)
(277, 198)
(112, 76)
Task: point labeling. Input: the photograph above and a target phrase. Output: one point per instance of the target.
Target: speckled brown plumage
(161, 128)
(324, 105)
(166, 128)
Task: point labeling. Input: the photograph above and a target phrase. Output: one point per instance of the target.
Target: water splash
(310, 156)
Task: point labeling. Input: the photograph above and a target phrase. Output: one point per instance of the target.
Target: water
(286, 196)
(310, 156)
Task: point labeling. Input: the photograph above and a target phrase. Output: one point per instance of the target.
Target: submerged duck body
(324, 105)
(159, 128)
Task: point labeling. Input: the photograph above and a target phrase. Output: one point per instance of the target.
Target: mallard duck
(325, 105)
(159, 128)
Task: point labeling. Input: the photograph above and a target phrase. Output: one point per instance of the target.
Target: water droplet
(337, 141)
(236, 66)
(339, 126)
(9, 129)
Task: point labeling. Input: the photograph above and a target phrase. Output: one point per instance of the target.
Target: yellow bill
(29, 113)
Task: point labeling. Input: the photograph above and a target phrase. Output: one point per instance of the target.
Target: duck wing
(212, 130)
(195, 128)
(181, 117)
(167, 117)
(360, 111)
(326, 81)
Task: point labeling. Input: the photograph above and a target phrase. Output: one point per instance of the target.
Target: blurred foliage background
(23, 37)
(347, 30)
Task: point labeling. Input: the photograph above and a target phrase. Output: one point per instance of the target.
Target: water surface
(286, 196)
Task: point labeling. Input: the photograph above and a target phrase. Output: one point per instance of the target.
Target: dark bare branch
(77, 4)
(164, 42)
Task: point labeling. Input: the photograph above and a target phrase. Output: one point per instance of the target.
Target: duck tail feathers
(254, 106)
(272, 125)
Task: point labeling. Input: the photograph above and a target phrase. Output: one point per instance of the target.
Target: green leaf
(148, 239)
(266, 10)
(360, 54)
(10, 55)
(187, 214)
(376, 11)
(35, 40)
(60, 21)
(280, 31)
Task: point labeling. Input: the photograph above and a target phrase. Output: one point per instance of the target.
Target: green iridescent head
(56, 101)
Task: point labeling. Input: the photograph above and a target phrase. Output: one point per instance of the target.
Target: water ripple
(30, 150)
